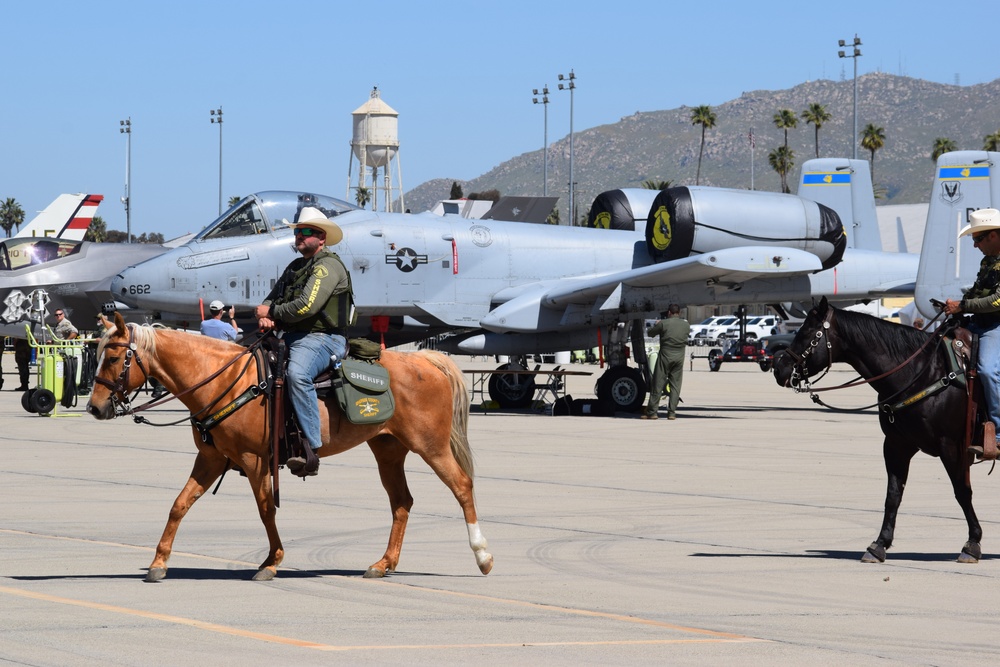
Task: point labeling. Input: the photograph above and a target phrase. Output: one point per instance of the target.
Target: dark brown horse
(934, 424)
(431, 419)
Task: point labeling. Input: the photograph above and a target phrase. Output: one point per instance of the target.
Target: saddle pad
(363, 392)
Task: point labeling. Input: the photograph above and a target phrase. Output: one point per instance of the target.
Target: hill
(663, 145)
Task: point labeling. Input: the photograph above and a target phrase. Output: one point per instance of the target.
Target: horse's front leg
(259, 477)
(208, 465)
(390, 455)
(897, 468)
(971, 550)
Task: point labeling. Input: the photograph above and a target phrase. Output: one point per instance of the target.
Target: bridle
(800, 382)
(119, 388)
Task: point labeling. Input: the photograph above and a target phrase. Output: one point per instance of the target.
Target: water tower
(376, 145)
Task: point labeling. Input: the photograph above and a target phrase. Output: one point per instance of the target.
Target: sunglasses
(306, 231)
(59, 314)
(976, 238)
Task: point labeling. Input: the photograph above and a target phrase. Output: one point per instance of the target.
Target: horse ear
(105, 322)
(119, 323)
(823, 303)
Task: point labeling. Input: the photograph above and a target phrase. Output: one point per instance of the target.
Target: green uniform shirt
(313, 294)
(983, 298)
(673, 333)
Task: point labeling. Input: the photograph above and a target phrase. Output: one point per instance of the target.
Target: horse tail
(460, 409)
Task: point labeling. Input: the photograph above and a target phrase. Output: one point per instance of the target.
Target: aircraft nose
(119, 287)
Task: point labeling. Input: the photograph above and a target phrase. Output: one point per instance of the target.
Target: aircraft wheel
(624, 387)
(42, 401)
(715, 360)
(26, 400)
(511, 391)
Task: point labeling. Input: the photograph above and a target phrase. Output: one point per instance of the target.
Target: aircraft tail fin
(845, 186)
(68, 217)
(964, 181)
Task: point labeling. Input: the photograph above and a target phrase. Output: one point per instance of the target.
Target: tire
(26, 400)
(42, 401)
(715, 360)
(765, 365)
(511, 391)
(623, 387)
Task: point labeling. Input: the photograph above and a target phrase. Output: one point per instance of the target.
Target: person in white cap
(982, 300)
(313, 303)
(214, 327)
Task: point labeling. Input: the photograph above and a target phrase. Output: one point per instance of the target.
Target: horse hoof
(971, 553)
(265, 574)
(155, 574)
(486, 564)
(374, 573)
(874, 554)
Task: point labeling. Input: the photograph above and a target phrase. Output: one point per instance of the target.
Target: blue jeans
(989, 367)
(308, 356)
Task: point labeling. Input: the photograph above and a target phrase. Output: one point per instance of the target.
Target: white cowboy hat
(982, 220)
(313, 217)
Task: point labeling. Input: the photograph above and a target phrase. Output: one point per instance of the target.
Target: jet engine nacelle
(621, 209)
(687, 221)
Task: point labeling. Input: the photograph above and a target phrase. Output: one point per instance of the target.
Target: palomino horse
(901, 363)
(431, 419)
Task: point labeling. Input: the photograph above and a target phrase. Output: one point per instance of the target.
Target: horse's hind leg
(390, 455)
(971, 550)
(897, 467)
(208, 465)
(456, 479)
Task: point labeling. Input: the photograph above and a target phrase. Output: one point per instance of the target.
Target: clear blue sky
(289, 74)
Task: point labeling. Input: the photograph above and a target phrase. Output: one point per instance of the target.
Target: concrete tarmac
(730, 536)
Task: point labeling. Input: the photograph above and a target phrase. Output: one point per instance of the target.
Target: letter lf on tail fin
(68, 217)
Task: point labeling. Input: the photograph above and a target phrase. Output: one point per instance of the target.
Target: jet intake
(687, 221)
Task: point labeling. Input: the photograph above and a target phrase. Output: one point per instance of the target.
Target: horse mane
(896, 341)
(143, 336)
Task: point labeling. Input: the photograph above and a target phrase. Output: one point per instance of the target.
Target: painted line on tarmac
(710, 636)
(289, 641)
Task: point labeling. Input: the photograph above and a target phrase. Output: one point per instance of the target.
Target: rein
(123, 405)
(799, 371)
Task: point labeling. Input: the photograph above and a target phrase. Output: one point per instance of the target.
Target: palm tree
(704, 116)
(872, 139)
(991, 142)
(11, 215)
(785, 119)
(816, 114)
(362, 196)
(97, 232)
(653, 184)
(233, 201)
(941, 146)
(782, 160)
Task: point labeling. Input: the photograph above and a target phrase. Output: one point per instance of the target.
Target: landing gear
(624, 387)
(512, 390)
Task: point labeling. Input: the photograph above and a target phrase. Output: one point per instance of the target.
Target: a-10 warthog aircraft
(505, 288)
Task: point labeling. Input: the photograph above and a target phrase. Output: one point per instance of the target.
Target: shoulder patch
(320, 271)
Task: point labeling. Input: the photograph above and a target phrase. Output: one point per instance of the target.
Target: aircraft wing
(544, 306)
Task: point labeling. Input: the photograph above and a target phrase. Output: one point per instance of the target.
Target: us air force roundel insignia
(406, 259)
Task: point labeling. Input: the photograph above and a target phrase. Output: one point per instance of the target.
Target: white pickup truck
(757, 327)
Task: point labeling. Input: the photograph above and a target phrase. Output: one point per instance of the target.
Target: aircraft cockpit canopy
(18, 253)
(263, 213)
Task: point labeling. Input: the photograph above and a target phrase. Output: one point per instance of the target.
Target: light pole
(125, 127)
(545, 144)
(216, 115)
(571, 86)
(854, 56)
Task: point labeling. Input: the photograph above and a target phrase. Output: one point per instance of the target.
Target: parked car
(701, 326)
(757, 327)
(711, 333)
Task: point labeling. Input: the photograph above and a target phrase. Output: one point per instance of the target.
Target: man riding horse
(982, 300)
(313, 304)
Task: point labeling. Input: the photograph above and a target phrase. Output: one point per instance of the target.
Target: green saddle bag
(362, 390)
